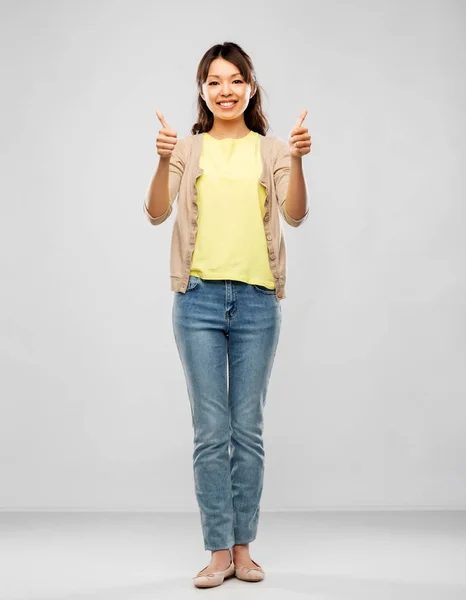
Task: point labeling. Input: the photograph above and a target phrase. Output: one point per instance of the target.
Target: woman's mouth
(227, 105)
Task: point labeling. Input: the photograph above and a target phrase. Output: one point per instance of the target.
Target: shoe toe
(209, 580)
(249, 574)
(255, 575)
(213, 579)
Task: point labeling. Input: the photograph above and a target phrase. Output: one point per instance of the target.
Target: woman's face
(224, 82)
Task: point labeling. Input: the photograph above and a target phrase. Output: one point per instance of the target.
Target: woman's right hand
(167, 138)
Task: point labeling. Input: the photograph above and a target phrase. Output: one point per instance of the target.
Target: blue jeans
(219, 326)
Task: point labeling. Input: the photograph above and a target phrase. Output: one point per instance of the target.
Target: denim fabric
(227, 334)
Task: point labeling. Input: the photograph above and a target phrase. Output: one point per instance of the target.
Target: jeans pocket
(263, 290)
(193, 282)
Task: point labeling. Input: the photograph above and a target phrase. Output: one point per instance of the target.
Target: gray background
(366, 404)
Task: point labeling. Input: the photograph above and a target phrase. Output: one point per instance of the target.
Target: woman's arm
(164, 187)
(290, 186)
(297, 205)
(157, 200)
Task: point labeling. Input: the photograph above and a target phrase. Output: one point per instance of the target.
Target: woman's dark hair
(253, 115)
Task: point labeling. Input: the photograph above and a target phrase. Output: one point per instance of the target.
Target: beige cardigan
(184, 170)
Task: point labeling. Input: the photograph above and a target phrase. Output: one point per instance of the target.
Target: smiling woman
(228, 275)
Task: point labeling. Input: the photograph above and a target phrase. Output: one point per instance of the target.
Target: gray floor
(319, 555)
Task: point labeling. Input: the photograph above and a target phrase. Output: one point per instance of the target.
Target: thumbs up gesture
(300, 140)
(167, 138)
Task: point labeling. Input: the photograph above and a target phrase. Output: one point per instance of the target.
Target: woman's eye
(236, 80)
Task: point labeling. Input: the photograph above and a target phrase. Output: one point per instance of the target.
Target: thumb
(301, 118)
(161, 118)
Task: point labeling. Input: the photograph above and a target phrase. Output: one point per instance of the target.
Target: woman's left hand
(300, 140)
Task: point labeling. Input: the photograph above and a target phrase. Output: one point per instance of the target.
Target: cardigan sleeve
(281, 175)
(176, 170)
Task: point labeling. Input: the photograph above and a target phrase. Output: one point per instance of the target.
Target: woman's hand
(167, 138)
(300, 140)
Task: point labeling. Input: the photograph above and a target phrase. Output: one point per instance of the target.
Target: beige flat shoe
(216, 578)
(247, 574)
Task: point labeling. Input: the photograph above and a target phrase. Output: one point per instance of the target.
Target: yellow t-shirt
(230, 241)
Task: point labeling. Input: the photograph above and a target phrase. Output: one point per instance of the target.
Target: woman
(228, 275)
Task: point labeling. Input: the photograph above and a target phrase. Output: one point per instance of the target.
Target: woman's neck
(229, 130)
